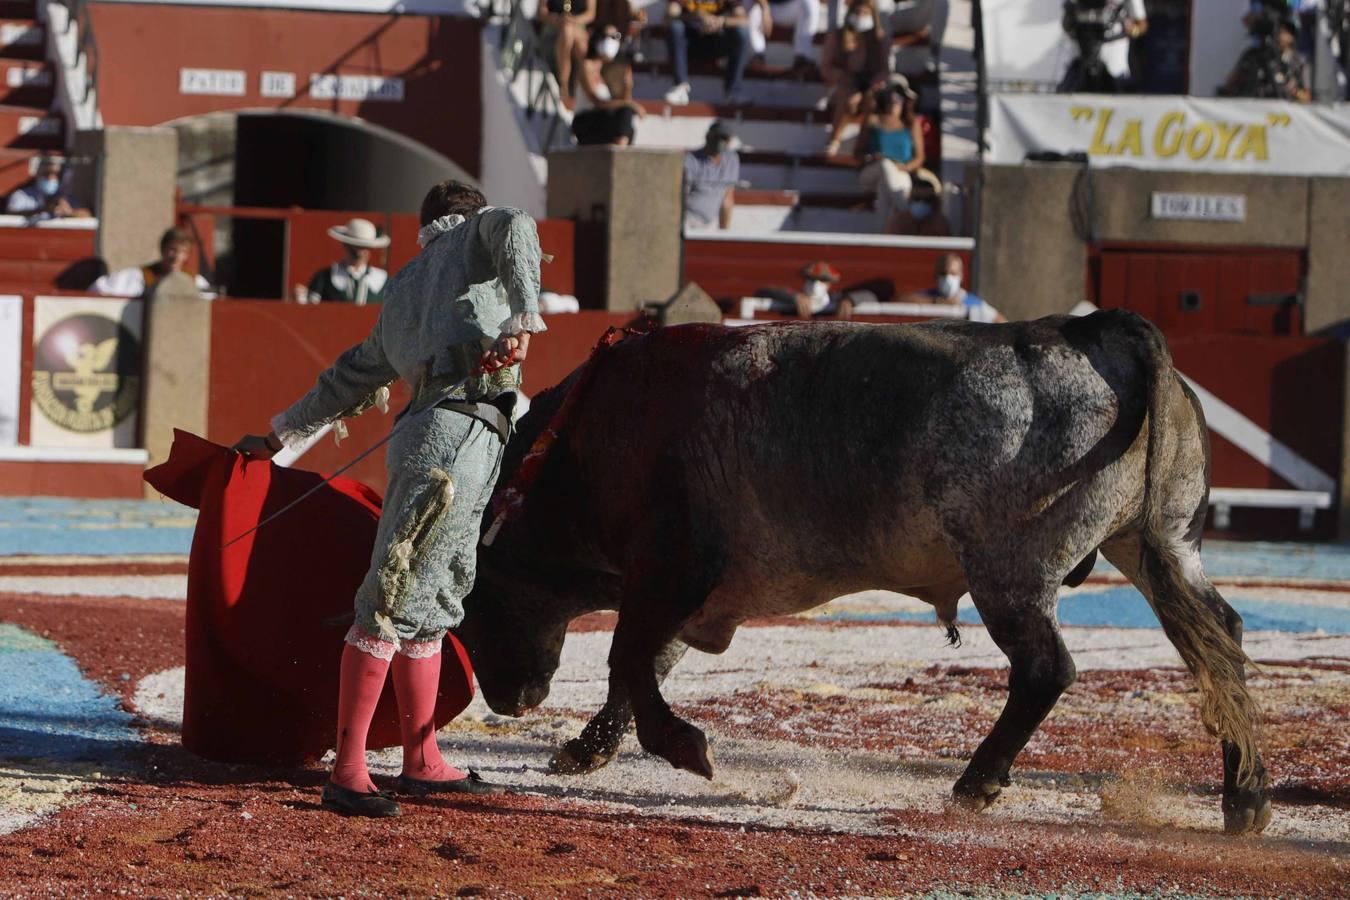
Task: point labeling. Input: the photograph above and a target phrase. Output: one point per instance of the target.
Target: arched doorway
(295, 158)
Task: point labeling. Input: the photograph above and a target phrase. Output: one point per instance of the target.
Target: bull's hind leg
(1022, 623)
(1246, 801)
(599, 741)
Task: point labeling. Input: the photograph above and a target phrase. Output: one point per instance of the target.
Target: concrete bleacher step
(16, 166)
(31, 128)
(708, 89)
(27, 83)
(22, 39)
(685, 126)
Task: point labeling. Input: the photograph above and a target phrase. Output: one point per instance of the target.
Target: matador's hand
(256, 446)
(507, 350)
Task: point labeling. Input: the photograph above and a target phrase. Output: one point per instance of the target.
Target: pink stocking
(362, 682)
(416, 682)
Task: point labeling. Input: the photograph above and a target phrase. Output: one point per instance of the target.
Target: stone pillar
(1030, 261)
(177, 365)
(1327, 301)
(635, 195)
(133, 194)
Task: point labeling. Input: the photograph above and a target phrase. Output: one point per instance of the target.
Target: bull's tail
(1187, 606)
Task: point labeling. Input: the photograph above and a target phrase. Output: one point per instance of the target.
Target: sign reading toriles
(1199, 207)
(86, 372)
(1173, 133)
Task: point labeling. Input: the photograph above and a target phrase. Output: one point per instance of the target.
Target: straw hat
(359, 233)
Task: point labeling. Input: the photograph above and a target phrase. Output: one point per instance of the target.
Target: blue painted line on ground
(58, 526)
(1125, 607)
(50, 711)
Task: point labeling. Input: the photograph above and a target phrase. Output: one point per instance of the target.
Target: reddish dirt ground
(176, 825)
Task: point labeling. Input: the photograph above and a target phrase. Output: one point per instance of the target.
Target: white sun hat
(359, 233)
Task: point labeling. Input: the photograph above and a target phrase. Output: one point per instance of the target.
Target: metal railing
(522, 51)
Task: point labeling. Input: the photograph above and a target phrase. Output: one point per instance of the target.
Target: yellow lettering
(1131, 140)
(1099, 146)
(1205, 131)
(1253, 142)
(1166, 141)
(1226, 134)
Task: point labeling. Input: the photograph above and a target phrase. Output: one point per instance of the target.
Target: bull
(713, 475)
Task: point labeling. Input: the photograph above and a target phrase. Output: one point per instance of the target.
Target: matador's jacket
(474, 280)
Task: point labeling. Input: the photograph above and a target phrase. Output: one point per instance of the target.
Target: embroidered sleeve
(347, 388)
(512, 241)
(531, 322)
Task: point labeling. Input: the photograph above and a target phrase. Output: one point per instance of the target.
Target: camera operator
(1271, 68)
(1102, 29)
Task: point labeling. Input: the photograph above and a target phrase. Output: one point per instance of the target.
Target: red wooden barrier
(265, 355)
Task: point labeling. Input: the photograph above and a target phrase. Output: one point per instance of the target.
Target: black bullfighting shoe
(347, 802)
(472, 783)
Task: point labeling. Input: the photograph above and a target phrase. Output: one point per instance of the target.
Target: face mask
(861, 23)
(920, 209)
(818, 292)
(948, 285)
(609, 48)
(49, 186)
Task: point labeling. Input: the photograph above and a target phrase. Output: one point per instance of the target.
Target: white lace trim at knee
(419, 649)
(369, 644)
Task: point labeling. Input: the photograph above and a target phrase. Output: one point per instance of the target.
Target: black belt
(487, 413)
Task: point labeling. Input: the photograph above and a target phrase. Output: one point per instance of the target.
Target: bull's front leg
(639, 638)
(599, 741)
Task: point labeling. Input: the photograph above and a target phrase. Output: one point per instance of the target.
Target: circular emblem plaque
(86, 373)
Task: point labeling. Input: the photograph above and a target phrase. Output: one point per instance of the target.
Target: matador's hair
(450, 198)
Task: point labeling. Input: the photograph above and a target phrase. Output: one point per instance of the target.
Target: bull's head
(514, 632)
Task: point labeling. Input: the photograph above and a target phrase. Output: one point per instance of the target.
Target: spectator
(600, 119)
(175, 246)
(564, 25)
(351, 279)
(917, 16)
(628, 22)
(1126, 20)
(891, 148)
(710, 29)
(816, 297)
(854, 65)
(710, 177)
(950, 271)
(44, 196)
(802, 15)
(922, 216)
(1279, 73)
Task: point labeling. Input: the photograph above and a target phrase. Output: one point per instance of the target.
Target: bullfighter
(464, 308)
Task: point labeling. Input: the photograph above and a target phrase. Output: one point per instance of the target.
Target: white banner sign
(11, 349)
(86, 372)
(1190, 134)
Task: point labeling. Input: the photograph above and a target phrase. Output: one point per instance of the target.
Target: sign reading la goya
(86, 372)
(1174, 133)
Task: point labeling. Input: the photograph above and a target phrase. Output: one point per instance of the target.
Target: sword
(407, 417)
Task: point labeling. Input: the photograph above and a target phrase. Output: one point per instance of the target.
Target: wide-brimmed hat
(359, 233)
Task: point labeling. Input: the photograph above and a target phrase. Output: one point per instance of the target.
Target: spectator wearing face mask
(600, 118)
(922, 215)
(710, 177)
(950, 271)
(622, 17)
(817, 296)
(854, 65)
(44, 195)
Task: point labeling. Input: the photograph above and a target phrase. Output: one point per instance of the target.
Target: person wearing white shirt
(175, 246)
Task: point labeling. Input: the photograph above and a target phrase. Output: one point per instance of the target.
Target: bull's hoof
(1251, 818)
(576, 757)
(684, 747)
(976, 794)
